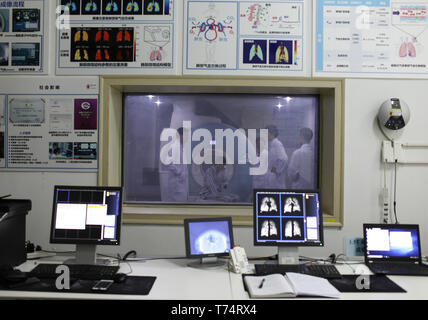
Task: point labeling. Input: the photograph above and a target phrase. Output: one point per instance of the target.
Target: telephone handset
(239, 260)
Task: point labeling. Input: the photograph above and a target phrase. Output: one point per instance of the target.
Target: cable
(347, 263)
(395, 191)
(129, 265)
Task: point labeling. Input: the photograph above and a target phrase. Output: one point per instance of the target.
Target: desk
(176, 281)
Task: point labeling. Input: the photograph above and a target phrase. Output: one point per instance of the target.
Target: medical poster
(2, 130)
(50, 123)
(23, 37)
(371, 38)
(117, 37)
(253, 38)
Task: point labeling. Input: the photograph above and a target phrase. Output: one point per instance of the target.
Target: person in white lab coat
(277, 159)
(177, 186)
(301, 168)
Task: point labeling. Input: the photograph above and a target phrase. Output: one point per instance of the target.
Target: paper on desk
(274, 285)
(306, 285)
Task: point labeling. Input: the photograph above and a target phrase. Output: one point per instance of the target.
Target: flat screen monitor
(207, 239)
(392, 242)
(287, 219)
(86, 216)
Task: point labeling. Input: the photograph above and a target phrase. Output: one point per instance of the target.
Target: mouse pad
(131, 286)
(377, 283)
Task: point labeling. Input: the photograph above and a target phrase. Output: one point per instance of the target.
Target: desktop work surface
(175, 280)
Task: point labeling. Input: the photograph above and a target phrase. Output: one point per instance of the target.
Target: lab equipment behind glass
(86, 216)
(287, 219)
(207, 239)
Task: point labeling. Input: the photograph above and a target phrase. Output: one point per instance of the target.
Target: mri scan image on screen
(209, 237)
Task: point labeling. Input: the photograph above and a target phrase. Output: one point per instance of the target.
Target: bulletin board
(49, 123)
(366, 38)
(118, 37)
(24, 37)
(246, 37)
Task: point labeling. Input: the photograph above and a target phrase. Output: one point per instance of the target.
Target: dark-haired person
(176, 188)
(278, 160)
(301, 168)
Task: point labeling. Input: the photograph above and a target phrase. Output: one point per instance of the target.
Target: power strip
(385, 206)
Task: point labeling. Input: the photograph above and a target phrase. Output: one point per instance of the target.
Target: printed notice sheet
(117, 37)
(23, 39)
(248, 37)
(371, 38)
(49, 123)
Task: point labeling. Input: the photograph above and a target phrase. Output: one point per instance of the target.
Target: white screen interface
(86, 214)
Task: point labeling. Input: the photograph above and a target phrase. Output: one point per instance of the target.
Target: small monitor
(86, 216)
(207, 239)
(288, 219)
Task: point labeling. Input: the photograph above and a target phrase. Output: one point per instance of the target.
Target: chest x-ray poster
(119, 37)
(254, 38)
(2, 130)
(23, 37)
(49, 123)
(371, 38)
(216, 148)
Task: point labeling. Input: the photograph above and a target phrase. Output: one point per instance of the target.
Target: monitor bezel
(80, 241)
(368, 259)
(187, 221)
(276, 243)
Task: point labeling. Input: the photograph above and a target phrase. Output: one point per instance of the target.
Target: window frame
(331, 92)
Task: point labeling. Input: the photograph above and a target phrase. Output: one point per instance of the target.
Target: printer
(12, 231)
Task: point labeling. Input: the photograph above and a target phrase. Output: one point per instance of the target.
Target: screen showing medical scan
(25, 54)
(86, 214)
(288, 217)
(209, 237)
(25, 20)
(392, 242)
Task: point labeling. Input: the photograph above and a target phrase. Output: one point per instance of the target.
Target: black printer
(12, 231)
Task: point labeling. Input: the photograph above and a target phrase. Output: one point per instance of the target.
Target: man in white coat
(177, 186)
(301, 168)
(277, 159)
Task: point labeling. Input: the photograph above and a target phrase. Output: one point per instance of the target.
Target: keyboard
(77, 271)
(327, 271)
(407, 269)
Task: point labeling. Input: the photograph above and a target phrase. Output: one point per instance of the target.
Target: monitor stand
(207, 263)
(288, 255)
(86, 254)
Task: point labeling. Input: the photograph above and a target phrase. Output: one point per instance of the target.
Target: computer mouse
(119, 277)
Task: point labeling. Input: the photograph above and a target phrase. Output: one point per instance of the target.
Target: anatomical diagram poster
(49, 123)
(117, 37)
(2, 130)
(380, 38)
(23, 37)
(248, 37)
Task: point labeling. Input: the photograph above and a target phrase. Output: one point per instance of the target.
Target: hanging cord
(395, 191)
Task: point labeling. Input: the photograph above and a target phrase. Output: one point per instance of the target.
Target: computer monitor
(207, 239)
(287, 219)
(86, 216)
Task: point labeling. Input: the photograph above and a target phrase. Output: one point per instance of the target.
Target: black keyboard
(77, 271)
(407, 269)
(327, 271)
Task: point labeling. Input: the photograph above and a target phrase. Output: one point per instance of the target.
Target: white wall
(363, 181)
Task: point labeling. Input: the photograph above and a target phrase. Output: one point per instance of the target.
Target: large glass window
(216, 148)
